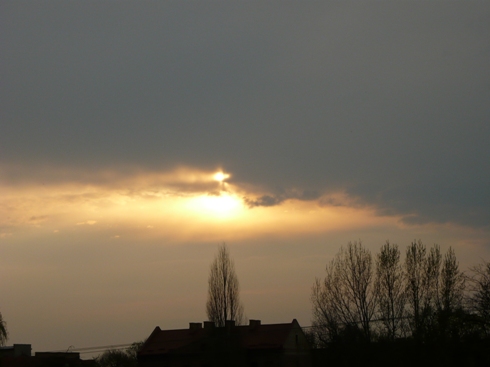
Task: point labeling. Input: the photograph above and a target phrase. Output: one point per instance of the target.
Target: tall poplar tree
(223, 290)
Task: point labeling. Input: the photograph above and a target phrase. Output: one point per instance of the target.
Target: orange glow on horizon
(185, 204)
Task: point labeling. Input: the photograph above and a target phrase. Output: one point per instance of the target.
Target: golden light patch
(220, 176)
(223, 205)
(180, 205)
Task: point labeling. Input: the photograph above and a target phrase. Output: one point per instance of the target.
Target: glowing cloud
(179, 204)
(223, 205)
(220, 176)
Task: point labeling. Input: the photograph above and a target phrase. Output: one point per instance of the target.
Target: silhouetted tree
(422, 286)
(327, 307)
(347, 297)
(450, 318)
(3, 331)
(480, 295)
(432, 282)
(223, 290)
(133, 349)
(414, 270)
(120, 357)
(116, 358)
(390, 285)
(452, 284)
(426, 295)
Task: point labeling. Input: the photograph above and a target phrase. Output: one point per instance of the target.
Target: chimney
(208, 325)
(254, 324)
(195, 325)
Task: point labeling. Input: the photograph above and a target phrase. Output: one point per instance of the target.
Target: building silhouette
(203, 345)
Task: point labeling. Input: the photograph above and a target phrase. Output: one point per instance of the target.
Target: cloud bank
(386, 102)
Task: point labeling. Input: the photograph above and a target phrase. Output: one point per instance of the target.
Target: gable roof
(253, 336)
(170, 341)
(272, 336)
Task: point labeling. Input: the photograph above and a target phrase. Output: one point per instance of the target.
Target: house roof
(253, 336)
(272, 336)
(170, 341)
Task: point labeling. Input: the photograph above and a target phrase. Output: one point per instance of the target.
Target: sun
(224, 205)
(220, 176)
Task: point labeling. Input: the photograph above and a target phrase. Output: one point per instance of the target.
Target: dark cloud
(265, 200)
(387, 101)
(272, 200)
(437, 202)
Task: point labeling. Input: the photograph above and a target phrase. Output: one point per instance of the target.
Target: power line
(103, 348)
(93, 349)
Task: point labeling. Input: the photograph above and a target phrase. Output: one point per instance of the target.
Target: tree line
(366, 305)
(425, 297)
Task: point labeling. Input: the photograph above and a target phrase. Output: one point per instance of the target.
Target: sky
(138, 136)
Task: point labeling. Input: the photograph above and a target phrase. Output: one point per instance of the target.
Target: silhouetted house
(253, 345)
(16, 350)
(19, 355)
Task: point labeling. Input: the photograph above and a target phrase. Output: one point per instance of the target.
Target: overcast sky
(335, 121)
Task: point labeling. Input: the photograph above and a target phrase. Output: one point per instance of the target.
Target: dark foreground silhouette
(404, 353)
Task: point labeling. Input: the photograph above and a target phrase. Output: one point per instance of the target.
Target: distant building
(16, 350)
(19, 355)
(253, 345)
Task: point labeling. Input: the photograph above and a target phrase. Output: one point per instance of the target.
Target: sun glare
(220, 176)
(223, 205)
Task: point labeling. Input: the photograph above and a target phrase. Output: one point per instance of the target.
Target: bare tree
(358, 273)
(432, 276)
(347, 296)
(327, 306)
(452, 284)
(449, 303)
(480, 294)
(223, 290)
(414, 270)
(390, 285)
(422, 285)
(432, 287)
(3, 331)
